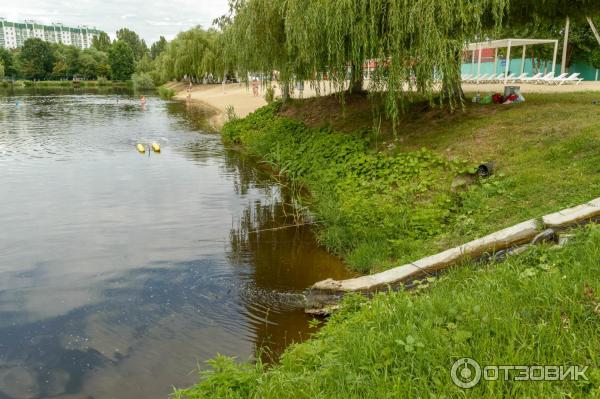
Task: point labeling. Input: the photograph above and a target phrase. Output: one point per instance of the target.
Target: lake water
(121, 272)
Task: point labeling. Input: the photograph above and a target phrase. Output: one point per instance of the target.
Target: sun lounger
(519, 78)
(532, 79)
(545, 79)
(481, 79)
(509, 78)
(573, 78)
(496, 78)
(557, 79)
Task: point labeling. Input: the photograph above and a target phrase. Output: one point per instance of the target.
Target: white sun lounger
(573, 78)
(546, 78)
(532, 79)
(556, 80)
(496, 78)
(509, 78)
(519, 78)
(481, 79)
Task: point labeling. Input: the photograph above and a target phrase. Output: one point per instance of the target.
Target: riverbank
(384, 198)
(534, 309)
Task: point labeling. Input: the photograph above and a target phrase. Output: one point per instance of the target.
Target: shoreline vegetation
(389, 198)
(383, 196)
(64, 83)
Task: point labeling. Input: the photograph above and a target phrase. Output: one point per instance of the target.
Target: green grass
(539, 308)
(384, 200)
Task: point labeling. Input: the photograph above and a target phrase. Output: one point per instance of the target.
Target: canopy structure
(508, 43)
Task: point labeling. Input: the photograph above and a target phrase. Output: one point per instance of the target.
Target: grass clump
(538, 308)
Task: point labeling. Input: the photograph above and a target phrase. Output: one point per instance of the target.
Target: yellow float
(155, 147)
(141, 148)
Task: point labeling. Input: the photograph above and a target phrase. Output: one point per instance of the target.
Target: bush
(165, 93)
(102, 81)
(230, 113)
(269, 95)
(142, 81)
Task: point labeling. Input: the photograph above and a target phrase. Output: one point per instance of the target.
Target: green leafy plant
(230, 113)
(166, 93)
(269, 94)
(142, 81)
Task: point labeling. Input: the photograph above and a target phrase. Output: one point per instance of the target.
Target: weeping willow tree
(194, 53)
(254, 39)
(417, 43)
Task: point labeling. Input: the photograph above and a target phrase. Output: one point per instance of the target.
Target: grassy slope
(538, 308)
(382, 201)
(541, 307)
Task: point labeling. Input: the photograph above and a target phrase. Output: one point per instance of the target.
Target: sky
(149, 18)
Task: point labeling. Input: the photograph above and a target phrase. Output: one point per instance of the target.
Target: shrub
(269, 95)
(102, 81)
(142, 81)
(230, 113)
(165, 93)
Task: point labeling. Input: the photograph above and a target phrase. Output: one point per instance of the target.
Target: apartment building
(14, 34)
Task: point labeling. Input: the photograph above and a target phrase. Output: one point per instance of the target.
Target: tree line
(119, 59)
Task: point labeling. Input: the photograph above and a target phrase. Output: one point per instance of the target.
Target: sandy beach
(239, 96)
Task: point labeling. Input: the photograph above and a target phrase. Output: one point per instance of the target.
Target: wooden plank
(506, 238)
(573, 216)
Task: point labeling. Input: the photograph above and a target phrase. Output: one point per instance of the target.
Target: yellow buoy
(141, 148)
(155, 147)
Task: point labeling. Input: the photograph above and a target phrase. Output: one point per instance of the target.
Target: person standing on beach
(255, 87)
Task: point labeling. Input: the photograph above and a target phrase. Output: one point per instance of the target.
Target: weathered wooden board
(573, 216)
(516, 235)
